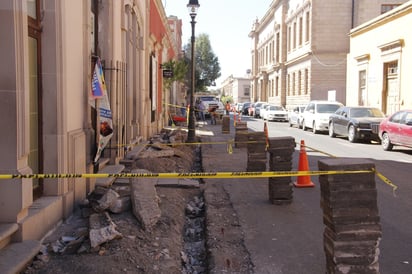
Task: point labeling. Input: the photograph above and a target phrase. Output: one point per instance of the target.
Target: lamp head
(193, 6)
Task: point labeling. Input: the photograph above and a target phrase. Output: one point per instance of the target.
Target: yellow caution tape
(320, 151)
(262, 174)
(380, 175)
(193, 175)
(386, 181)
(229, 146)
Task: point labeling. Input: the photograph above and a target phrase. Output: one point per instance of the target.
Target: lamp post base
(191, 134)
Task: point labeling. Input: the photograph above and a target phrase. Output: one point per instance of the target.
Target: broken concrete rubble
(121, 204)
(145, 200)
(108, 198)
(102, 229)
(154, 251)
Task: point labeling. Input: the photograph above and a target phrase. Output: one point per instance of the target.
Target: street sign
(167, 73)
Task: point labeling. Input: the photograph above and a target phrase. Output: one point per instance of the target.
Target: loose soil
(161, 249)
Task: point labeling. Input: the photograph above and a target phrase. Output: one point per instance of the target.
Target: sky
(228, 24)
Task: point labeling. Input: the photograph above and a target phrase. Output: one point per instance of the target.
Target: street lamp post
(191, 135)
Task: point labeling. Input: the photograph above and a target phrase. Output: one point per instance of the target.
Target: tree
(206, 62)
(179, 70)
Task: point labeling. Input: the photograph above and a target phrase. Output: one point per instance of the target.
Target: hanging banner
(99, 93)
(98, 83)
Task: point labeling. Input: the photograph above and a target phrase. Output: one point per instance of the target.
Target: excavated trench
(194, 255)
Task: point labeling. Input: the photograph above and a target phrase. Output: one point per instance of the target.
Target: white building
(238, 88)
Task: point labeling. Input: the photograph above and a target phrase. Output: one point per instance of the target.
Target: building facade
(379, 62)
(49, 52)
(299, 49)
(236, 87)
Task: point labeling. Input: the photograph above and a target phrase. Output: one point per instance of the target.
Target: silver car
(295, 116)
(258, 106)
(316, 115)
(275, 113)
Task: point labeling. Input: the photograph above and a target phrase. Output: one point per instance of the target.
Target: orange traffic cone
(303, 181)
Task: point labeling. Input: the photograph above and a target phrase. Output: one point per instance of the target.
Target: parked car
(316, 115)
(396, 130)
(295, 116)
(262, 109)
(275, 113)
(245, 108)
(238, 107)
(258, 105)
(356, 123)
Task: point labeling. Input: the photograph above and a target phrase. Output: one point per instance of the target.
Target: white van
(316, 115)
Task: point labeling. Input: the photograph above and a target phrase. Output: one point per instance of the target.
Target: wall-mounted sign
(167, 73)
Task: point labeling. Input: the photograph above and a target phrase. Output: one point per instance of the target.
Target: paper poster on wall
(331, 95)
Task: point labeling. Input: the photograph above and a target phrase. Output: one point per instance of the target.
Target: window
(288, 84)
(362, 88)
(289, 34)
(307, 32)
(300, 31)
(246, 90)
(271, 52)
(388, 7)
(32, 6)
(272, 88)
(294, 35)
(277, 86)
(306, 82)
(299, 82)
(277, 47)
(397, 118)
(35, 157)
(392, 68)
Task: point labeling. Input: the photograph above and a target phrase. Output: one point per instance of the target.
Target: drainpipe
(353, 13)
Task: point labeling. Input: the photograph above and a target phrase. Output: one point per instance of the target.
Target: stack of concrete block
(219, 119)
(226, 124)
(350, 214)
(241, 134)
(281, 151)
(256, 151)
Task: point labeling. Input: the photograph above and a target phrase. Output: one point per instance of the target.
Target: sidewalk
(284, 239)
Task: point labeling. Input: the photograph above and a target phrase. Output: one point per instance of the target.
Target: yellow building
(379, 62)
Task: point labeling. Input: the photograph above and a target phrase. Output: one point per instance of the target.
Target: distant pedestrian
(213, 115)
(202, 109)
(228, 108)
(183, 110)
(197, 109)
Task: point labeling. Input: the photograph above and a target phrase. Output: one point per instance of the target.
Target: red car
(396, 130)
